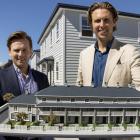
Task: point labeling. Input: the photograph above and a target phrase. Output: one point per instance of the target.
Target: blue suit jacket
(9, 81)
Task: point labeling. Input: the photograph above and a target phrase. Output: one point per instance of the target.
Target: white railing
(102, 113)
(73, 113)
(87, 113)
(116, 113)
(5, 126)
(130, 113)
(36, 128)
(22, 128)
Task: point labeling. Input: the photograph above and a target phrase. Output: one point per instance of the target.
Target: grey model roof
(89, 105)
(75, 91)
(24, 99)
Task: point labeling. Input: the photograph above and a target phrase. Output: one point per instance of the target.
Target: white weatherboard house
(67, 33)
(113, 111)
(35, 59)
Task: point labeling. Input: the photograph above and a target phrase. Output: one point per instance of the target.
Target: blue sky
(31, 16)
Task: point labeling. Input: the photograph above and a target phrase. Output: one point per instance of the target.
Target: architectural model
(73, 110)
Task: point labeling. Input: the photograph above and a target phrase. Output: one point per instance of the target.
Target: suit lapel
(112, 60)
(13, 81)
(90, 61)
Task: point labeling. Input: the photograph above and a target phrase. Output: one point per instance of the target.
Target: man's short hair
(18, 35)
(102, 5)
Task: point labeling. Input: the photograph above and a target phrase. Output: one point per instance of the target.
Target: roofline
(61, 5)
(59, 96)
(22, 104)
(37, 50)
(78, 7)
(86, 107)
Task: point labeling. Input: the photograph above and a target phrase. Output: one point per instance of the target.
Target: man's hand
(8, 96)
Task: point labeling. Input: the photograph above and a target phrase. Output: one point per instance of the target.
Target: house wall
(22, 108)
(74, 44)
(127, 27)
(55, 49)
(35, 59)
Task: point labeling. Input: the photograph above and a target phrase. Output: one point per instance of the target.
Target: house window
(51, 37)
(44, 68)
(86, 29)
(29, 108)
(15, 108)
(57, 29)
(57, 71)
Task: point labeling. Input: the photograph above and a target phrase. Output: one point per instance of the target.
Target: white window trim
(29, 108)
(80, 32)
(57, 71)
(57, 30)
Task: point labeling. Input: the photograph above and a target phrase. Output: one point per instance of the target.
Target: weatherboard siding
(74, 44)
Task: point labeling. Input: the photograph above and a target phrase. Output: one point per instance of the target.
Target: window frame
(81, 27)
(57, 71)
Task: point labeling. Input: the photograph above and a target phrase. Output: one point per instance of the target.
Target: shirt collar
(109, 45)
(18, 71)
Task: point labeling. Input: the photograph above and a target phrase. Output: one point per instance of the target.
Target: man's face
(20, 52)
(103, 24)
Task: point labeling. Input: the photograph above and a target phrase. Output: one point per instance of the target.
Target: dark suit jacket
(9, 81)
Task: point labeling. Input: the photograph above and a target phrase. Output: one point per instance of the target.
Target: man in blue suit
(19, 78)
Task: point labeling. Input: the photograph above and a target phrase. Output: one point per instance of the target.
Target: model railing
(17, 128)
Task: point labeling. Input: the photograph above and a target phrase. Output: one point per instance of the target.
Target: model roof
(89, 105)
(75, 91)
(24, 99)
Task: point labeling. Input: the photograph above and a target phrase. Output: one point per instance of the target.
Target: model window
(100, 100)
(57, 71)
(128, 100)
(86, 30)
(15, 108)
(86, 100)
(72, 100)
(29, 108)
(115, 100)
(46, 109)
(58, 99)
(44, 99)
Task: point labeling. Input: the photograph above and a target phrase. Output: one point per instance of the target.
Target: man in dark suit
(19, 78)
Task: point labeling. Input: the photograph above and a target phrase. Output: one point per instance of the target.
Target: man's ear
(31, 53)
(9, 51)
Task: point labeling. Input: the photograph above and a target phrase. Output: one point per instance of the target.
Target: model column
(65, 117)
(137, 116)
(109, 115)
